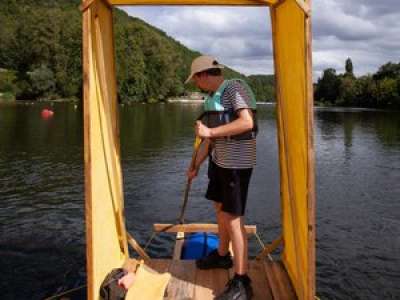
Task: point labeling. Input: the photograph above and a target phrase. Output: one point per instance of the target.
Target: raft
(292, 276)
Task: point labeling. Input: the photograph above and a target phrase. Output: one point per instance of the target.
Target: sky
(367, 31)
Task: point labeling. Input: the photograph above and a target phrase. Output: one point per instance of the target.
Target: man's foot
(214, 260)
(238, 288)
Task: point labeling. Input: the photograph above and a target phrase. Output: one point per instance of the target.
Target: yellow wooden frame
(106, 236)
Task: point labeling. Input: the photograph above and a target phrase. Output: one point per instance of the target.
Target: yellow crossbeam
(194, 2)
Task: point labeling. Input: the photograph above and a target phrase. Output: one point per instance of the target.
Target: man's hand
(127, 281)
(192, 173)
(202, 130)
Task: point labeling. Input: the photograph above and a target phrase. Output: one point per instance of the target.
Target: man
(229, 136)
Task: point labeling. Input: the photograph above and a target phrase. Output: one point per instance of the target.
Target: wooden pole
(283, 144)
(86, 129)
(311, 162)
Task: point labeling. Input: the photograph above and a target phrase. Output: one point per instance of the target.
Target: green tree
(366, 91)
(349, 68)
(327, 89)
(388, 93)
(388, 70)
(42, 81)
(263, 87)
(347, 91)
(7, 81)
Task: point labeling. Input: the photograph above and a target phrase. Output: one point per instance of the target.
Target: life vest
(215, 114)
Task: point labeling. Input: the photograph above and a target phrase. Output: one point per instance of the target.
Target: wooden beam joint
(305, 7)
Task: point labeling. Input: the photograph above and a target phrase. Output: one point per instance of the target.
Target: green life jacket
(216, 115)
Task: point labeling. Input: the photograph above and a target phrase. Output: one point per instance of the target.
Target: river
(42, 234)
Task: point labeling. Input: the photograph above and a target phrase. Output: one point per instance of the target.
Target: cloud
(235, 35)
(367, 31)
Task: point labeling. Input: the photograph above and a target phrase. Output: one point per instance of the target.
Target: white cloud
(366, 30)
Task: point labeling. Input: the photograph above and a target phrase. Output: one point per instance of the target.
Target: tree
(42, 81)
(347, 91)
(387, 93)
(328, 87)
(349, 68)
(366, 92)
(389, 70)
(7, 81)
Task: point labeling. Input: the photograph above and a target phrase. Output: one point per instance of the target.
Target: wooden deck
(269, 280)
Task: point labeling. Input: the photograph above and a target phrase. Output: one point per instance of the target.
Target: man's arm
(243, 123)
(200, 158)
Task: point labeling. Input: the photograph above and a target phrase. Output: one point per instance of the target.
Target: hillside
(40, 55)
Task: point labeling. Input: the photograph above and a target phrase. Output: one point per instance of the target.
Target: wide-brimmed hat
(202, 63)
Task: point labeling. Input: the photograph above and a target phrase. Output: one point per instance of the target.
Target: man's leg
(219, 258)
(238, 237)
(223, 231)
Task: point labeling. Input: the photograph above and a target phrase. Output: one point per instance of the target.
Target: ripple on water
(42, 239)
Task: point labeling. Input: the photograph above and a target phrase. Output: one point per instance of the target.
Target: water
(42, 247)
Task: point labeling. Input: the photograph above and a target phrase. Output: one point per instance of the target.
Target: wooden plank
(220, 279)
(283, 281)
(182, 283)
(204, 286)
(86, 39)
(250, 229)
(259, 281)
(209, 283)
(194, 2)
(277, 289)
(159, 265)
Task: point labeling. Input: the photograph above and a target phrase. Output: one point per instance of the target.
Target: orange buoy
(47, 113)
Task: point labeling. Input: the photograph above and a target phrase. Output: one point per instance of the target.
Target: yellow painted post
(105, 226)
(292, 58)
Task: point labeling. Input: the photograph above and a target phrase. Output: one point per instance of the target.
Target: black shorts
(229, 187)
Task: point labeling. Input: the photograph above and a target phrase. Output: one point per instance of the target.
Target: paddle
(196, 148)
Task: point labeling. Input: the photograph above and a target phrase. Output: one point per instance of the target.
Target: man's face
(200, 80)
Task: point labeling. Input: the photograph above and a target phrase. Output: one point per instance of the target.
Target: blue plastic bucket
(198, 245)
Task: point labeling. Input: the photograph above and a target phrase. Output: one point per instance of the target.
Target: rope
(66, 292)
(153, 235)
(262, 244)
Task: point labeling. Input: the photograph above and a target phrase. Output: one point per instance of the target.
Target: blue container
(198, 245)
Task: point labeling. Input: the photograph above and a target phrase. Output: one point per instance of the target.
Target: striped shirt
(229, 153)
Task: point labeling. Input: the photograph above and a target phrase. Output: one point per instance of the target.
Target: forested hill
(40, 55)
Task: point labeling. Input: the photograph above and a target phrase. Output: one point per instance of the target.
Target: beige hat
(203, 63)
